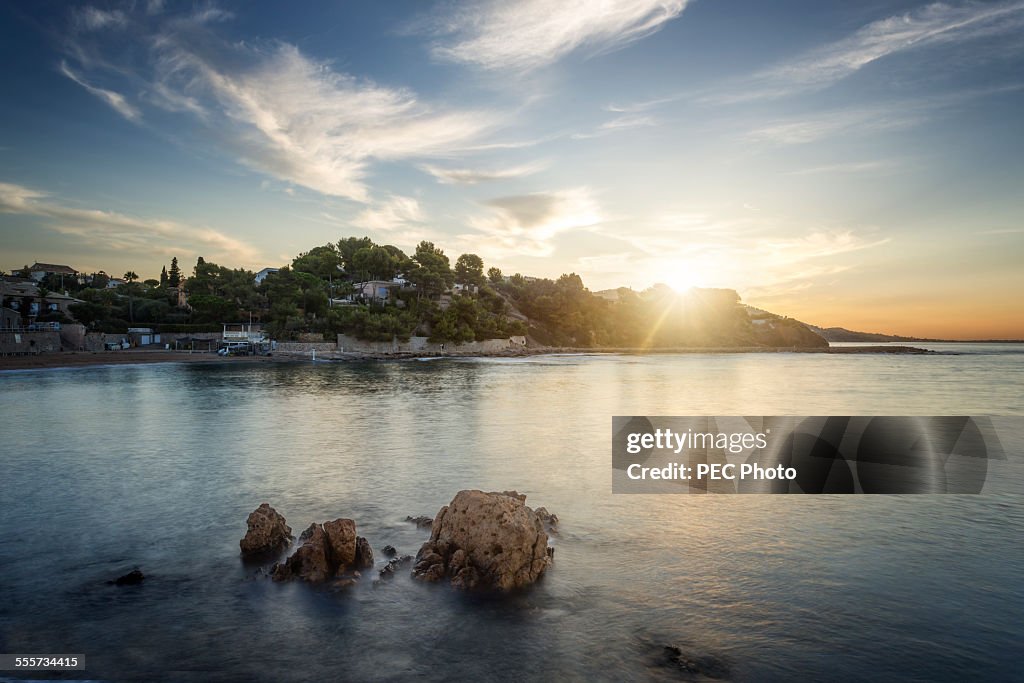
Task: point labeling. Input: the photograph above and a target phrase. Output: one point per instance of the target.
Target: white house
(262, 275)
(378, 290)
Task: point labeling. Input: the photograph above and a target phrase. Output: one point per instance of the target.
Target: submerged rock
(699, 665)
(132, 578)
(485, 541)
(388, 571)
(364, 554)
(328, 551)
(421, 522)
(389, 551)
(548, 519)
(267, 532)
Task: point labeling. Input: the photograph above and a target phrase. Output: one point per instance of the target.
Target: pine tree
(174, 275)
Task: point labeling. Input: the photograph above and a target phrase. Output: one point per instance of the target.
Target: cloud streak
(935, 24)
(274, 108)
(523, 35)
(120, 232)
(393, 213)
(619, 123)
(473, 176)
(113, 99)
(526, 224)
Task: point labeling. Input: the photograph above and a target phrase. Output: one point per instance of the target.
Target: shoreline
(84, 359)
(77, 359)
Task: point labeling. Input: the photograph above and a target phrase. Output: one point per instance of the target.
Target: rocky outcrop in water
(548, 519)
(267, 532)
(327, 552)
(132, 578)
(696, 665)
(389, 570)
(485, 541)
(421, 522)
(364, 554)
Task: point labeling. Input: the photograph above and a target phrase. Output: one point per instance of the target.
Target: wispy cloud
(94, 19)
(889, 116)
(526, 224)
(522, 35)
(118, 232)
(473, 176)
(934, 24)
(115, 100)
(874, 166)
(828, 124)
(274, 108)
(619, 123)
(393, 213)
(642, 105)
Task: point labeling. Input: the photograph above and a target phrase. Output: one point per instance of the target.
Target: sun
(679, 277)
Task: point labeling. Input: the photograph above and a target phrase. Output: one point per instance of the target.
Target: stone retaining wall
(305, 348)
(20, 343)
(347, 344)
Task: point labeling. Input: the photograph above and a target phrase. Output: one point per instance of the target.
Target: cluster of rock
(327, 552)
(268, 533)
(485, 541)
(478, 541)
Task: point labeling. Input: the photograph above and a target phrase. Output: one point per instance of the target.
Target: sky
(847, 164)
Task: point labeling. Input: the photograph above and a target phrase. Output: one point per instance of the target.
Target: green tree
(163, 276)
(469, 270)
(130, 277)
(494, 275)
(210, 308)
(174, 274)
(348, 247)
(322, 262)
(433, 274)
(374, 263)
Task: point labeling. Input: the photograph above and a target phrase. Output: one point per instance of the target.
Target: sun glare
(680, 278)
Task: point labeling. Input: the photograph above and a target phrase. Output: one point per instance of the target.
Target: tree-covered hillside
(380, 293)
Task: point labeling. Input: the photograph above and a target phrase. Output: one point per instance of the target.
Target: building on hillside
(180, 297)
(262, 275)
(60, 303)
(23, 296)
(375, 290)
(38, 271)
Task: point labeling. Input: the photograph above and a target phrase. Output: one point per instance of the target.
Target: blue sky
(857, 164)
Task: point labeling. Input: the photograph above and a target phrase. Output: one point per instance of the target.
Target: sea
(108, 468)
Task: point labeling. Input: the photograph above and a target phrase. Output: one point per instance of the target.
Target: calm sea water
(157, 466)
